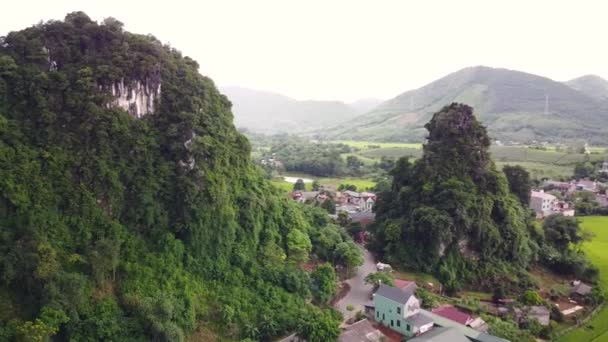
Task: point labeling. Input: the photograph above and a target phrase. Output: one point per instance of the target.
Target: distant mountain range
(591, 85)
(515, 106)
(267, 112)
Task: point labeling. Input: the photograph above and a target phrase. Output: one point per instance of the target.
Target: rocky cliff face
(138, 97)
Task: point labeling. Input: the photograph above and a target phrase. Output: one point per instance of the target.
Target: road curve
(360, 292)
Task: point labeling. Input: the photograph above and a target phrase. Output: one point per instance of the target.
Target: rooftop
(453, 314)
(361, 331)
(402, 283)
(394, 294)
(419, 319)
(582, 289)
(439, 334)
(472, 334)
(542, 194)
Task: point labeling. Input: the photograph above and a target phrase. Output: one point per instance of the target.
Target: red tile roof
(400, 283)
(453, 314)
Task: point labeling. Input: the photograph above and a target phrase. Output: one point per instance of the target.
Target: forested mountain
(130, 209)
(513, 105)
(452, 213)
(267, 112)
(591, 85)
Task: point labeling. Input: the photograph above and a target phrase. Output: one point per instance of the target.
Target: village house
(540, 313)
(545, 204)
(352, 201)
(361, 331)
(580, 290)
(400, 310)
(542, 203)
(563, 187)
(587, 185)
(459, 316)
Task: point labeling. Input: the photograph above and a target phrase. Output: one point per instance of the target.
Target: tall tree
(324, 283)
(519, 182)
(299, 185)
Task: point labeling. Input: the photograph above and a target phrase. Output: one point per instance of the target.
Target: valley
(142, 200)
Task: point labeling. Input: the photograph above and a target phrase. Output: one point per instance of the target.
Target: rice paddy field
(362, 184)
(596, 329)
(541, 163)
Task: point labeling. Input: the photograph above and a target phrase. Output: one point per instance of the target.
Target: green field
(366, 144)
(596, 329)
(362, 184)
(547, 163)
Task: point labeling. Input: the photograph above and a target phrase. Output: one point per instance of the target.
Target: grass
(540, 170)
(360, 183)
(282, 185)
(596, 329)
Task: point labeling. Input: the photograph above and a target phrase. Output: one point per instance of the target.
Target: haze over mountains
(591, 85)
(515, 106)
(267, 112)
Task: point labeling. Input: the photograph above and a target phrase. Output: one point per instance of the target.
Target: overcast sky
(330, 49)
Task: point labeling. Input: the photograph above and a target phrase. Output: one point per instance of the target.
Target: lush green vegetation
(453, 214)
(118, 228)
(597, 251)
(511, 104)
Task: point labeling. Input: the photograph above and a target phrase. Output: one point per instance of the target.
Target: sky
(347, 50)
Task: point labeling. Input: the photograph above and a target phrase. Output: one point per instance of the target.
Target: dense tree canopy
(135, 229)
(519, 182)
(451, 212)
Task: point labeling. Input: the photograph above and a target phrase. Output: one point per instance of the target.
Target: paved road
(359, 291)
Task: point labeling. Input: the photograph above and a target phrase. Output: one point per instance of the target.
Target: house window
(398, 310)
(407, 327)
(398, 323)
(383, 317)
(392, 325)
(378, 314)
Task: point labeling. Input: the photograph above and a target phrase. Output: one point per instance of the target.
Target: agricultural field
(541, 163)
(596, 329)
(362, 184)
(367, 144)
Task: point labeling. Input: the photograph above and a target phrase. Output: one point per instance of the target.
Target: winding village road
(360, 292)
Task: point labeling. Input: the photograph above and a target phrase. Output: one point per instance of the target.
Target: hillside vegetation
(591, 85)
(136, 226)
(513, 105)
(452, 213)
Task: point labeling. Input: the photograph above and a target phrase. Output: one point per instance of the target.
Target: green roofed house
(400, 310)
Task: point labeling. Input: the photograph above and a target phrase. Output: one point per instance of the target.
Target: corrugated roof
(468, 332)
(419, 319)
(440, 334)
(454, 314)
